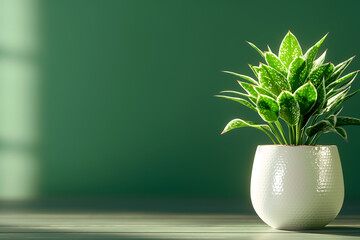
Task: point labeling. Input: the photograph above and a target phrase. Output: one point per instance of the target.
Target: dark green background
(128, 106)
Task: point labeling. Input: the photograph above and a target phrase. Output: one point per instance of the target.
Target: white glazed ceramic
(297, 187)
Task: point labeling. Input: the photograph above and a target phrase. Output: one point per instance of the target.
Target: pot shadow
(333, 230)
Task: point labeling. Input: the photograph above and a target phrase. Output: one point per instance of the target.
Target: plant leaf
(318, 62)
(253, 81)
(248, 88)
(265, 92)
(343, 79)
(268, 108)
(238, 123)
(341, 132)
(296, 72)
(255, 70)
(338, 70)
(253, 99)
(289, 49)
(311, 54)
(289, 108)
(257, 49)
(322, 126)
(273, 80)
(275, 62)
(239, 100)
(317, 74)
(306, 96)
(346, 121)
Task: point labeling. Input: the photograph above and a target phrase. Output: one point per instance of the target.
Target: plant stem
(315, 139)
(272, 139)
(276, 134)
(298, 132)
(281, 130)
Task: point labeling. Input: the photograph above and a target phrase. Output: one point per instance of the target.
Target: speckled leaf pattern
(274, 62)
(306, 97)
(343, 80)
(255, 70)
(311, 54)
(296, 73)
(238, 123)
(268, 108)
(318, 74)
(248, 88)
(318, 62)
(273, 80)
(289, 108)
(265, 92)
(338, 70)
(289, 49)
(346, 121)
(239, 100)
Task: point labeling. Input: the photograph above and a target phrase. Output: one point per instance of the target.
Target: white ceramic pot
(297, 187)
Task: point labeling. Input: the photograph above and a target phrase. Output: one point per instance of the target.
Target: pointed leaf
(322, 126)
(296, 72)
(253, 99)
(238, 123)
(273, 80)
(255, 70)
(265, 92)
(306, 96)
(268, 108)
(269, 49)
(317, 74)
(341, 132)
(289, 49)
(346, 121)
(311, 54)
(321, 98)
(343, 79)
(253, 81)
(257, 49)
(289, 108)
(318, 62)
(248, 88)
(338, 70)
(274, 62)
(239, 100)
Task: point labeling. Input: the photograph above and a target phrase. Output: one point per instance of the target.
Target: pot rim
(273, 145)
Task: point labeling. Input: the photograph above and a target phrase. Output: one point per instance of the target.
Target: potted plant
(295, 183)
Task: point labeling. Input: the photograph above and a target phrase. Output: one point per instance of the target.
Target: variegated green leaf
(322, 126)
(239, 100)
(306, 96)
(346, 121)
(253, 81)
(253, 99)
(338, 70)
(311, 54)
(289, 108)
(248, 88)
(238, 123)
(257, 49)
(273, 80)
(296, 73)
(269, 49)
(289, 49)
(316, 76)
(318, 62)
(268, 108)
(341, 132)
(265, 92)
(255, 70)
(275, 62)
(343, 80)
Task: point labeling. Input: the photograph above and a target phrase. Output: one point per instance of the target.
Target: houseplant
(295, 183)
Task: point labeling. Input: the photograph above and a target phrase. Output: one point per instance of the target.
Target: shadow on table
(333, 230)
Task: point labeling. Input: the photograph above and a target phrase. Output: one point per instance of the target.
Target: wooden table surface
(50, 223)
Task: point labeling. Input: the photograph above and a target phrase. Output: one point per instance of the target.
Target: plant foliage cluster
(298, 88)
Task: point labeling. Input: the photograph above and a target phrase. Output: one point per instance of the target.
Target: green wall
(127, 93)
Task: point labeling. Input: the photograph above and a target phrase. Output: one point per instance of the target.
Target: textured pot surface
(297, 187)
